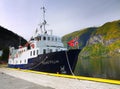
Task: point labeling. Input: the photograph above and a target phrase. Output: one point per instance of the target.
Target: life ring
(32, 45)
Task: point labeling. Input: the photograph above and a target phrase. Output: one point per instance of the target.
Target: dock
(47, 81)
(10, 82)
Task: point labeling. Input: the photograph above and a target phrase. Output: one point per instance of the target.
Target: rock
(95, 39)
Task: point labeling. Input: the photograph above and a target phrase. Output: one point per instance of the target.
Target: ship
(44, 52)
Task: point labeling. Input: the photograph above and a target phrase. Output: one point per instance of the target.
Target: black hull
(56, 62)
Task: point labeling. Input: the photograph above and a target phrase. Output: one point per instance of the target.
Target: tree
(5, 55)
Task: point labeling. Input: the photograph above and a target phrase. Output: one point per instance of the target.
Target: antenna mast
(44, 21)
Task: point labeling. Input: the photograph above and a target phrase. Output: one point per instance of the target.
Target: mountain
(100, 55)
(7, 39)
(105, 41)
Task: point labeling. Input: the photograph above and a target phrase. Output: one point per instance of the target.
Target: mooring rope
(69, 64)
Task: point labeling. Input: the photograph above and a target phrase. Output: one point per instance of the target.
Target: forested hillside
(8, 38)
(100, 55)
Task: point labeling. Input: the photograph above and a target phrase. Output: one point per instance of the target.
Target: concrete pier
(10, 82)
(41, 81)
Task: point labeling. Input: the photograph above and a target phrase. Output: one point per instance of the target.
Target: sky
(62, 16)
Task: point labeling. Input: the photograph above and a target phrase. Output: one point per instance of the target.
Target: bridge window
(44, 38)
(48, 38)
(55, 39)
(52, 38)
(39, 37)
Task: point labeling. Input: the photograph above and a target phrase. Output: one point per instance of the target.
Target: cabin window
(20, 61)
(31, 53)
(44, 38)
(34, 52)
(44, 51)
(55, 39)
(37, 38)
(40, 38)
(37, 52)
(48, 38)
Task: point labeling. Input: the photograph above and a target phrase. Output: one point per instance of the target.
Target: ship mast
(44, 21)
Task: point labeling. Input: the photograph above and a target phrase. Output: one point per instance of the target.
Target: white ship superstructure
(41, 42)
(38, 44)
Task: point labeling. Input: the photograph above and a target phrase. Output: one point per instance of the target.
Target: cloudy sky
(63, 16)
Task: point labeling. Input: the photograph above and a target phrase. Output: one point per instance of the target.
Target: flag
(73, 42)
(32, 45)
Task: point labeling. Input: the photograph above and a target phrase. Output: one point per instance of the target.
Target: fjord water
(107, 67)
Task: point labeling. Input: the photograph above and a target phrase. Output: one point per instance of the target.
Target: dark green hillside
(8, 38)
